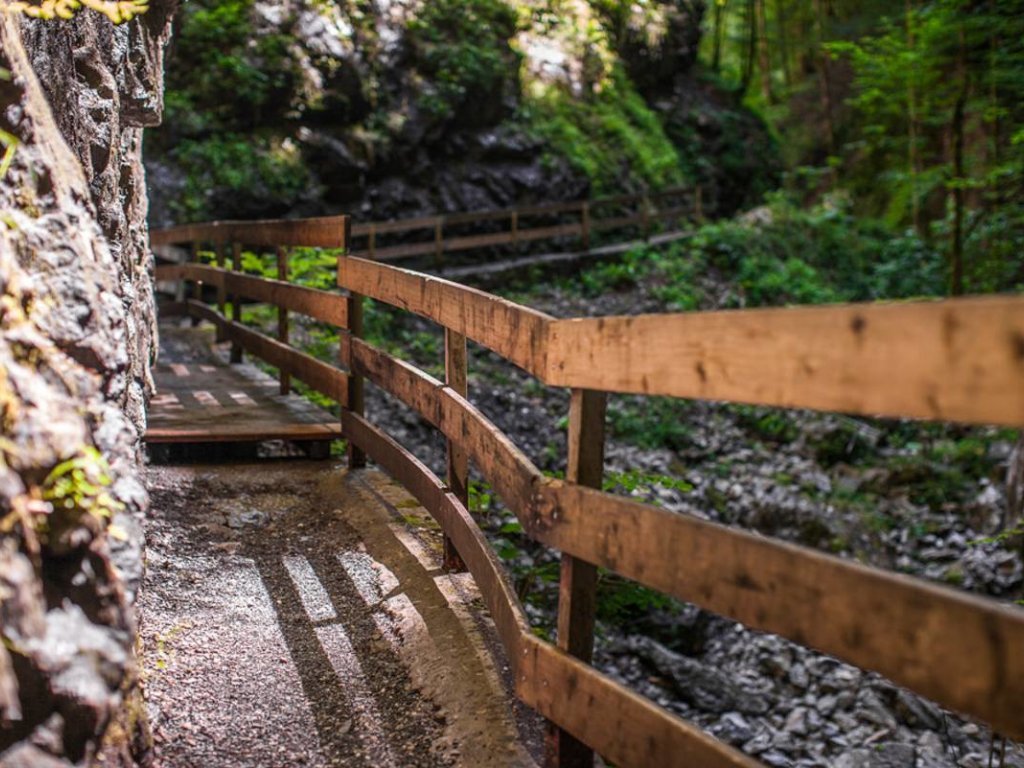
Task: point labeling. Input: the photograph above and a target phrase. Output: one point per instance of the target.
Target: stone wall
(76, 340)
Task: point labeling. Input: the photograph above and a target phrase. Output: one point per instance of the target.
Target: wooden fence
(435, 236)
(959, 360)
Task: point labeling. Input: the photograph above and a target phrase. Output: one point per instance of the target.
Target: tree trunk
(956, 279)
(763, 54)
(751, 47)
(824, 80)
(716, 57)
(913, 162)
(780, 21)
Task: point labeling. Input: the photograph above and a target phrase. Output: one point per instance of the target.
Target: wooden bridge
(956, 360)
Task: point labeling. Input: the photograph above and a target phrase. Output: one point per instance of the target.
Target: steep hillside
(311, 106)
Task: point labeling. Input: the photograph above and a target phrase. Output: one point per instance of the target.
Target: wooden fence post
(355, 394)
(222, 300)
(197, 288)
(577, 593)
(236, 301)
(515, 229)
(371, 245)
(455, 376)
(282, 315)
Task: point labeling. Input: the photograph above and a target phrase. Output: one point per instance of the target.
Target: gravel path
(294, 614)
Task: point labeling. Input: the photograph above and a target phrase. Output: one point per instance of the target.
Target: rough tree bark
(76, 339)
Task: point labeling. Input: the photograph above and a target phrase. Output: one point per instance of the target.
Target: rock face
(76, 338)
(404, 108)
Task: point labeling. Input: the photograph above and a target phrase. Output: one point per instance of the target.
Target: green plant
(244, 168)
(652, 422)
(608, 135)
(79, 485)
(462, 48)
(118, 12)
(767, 423)
(9, 141)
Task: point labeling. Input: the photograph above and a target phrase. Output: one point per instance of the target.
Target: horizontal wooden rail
(323, 232)
(197, 273)
(513, 476)
(623, 726)
(513, 331)
(956, 649)
(454, 518)
(955, 360)
(962, 651)
(320, 305)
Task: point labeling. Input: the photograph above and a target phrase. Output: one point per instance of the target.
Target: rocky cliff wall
(406, 107)
(76, 339)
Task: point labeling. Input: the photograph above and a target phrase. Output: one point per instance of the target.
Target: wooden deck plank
(221, 403)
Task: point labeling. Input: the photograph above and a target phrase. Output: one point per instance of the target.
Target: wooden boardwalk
(958, 360)
(211, 401)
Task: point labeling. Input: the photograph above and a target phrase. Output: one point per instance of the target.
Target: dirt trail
(294, 613)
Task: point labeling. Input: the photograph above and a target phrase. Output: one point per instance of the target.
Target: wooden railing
(436, 236)
(959, 360)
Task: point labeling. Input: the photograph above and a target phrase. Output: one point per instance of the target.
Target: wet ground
(294, 613)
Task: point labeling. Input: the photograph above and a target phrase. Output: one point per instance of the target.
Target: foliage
(247, 169)
(792, 256)
(79, 486)
(915, 112)
(118, 12)
(768, 424)
(8, 141)
(462, 48)
(607, 135)
(235, 78)
(650, 422)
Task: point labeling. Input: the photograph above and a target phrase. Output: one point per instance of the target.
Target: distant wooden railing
(959, 360)
(433, 235)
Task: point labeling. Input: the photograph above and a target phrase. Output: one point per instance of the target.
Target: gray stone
(888, 755)
(75, 347)
(734, 729)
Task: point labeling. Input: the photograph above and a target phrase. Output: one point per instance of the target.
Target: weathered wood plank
(400, 225)
(320, 305)
(324, 378)
(513, 476)
(955, 360)
(201, 273)
(623, 727)
(513, 331)
(355, 394)
(961, 651)
(322, 232)
(455, 373)
(283, 323)
(217, 403)
(577, 586)
(198, 311)
(457, 523)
